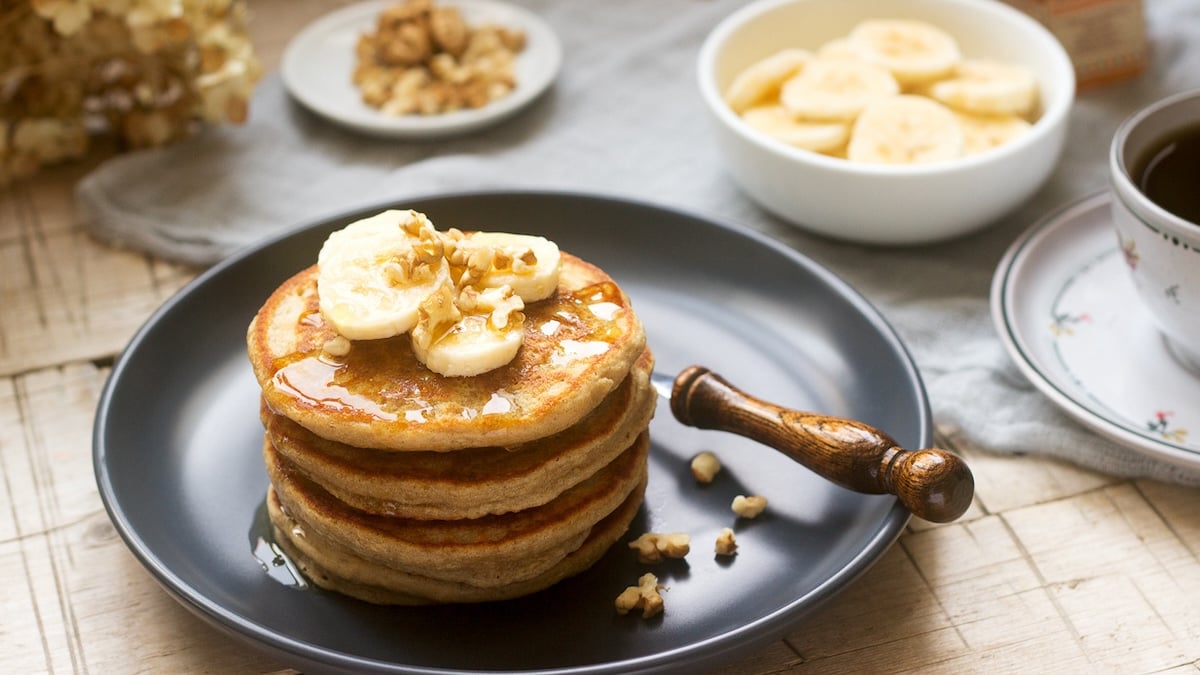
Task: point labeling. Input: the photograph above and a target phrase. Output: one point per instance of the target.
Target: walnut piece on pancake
(726, 543)
(337, 345)
(461, 296)
(705, 467)
(654, 547)
(748, 507)
(427, 60)
(645, 596)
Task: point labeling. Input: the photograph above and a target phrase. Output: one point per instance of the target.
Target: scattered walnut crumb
(645, 596)
(726, 543)
(426, 60)
(705, 467)
(653, 547)
(749, 507)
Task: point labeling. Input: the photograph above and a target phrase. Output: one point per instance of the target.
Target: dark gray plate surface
(178, 462)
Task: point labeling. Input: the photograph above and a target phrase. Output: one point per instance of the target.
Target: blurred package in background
(141, 72)
(1106, 38)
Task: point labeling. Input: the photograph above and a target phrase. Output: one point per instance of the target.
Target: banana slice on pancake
(477, 325)
(460, 295)
(476, 332)
(836, 89)
(988, 88)
(762, 79)
(916, 52)
(529, 265)
(905, 129)
(374, 273)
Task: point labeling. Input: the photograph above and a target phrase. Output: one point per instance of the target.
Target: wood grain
(931, 483)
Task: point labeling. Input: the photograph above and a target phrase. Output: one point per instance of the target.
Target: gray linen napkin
(625, 119)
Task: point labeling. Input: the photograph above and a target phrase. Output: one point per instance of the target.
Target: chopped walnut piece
(653, 547)
(749, 507)
(449, 30)
(726, 543)
(336, 346)
(500, 304)
(705, 467)
(407, 45)
(435, 316)
(644, 596)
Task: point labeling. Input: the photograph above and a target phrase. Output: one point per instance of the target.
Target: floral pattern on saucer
(1066, 308)
(1106, 343)
(1162, 427)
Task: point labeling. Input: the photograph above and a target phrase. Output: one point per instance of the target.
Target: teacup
(1161, 248)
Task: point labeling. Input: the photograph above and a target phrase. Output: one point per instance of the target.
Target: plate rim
(422, 127)
(288, 648)
(1003, 283)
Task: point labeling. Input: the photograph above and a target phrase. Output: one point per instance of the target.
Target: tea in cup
(1154, 169)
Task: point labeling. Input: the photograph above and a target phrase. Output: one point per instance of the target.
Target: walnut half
(653, 547)
(644, 596)
(748, 507)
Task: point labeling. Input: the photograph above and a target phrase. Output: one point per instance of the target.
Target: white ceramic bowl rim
(1054, 109)
(1124, 187)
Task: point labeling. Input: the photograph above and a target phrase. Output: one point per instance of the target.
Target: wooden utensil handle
(933, 484)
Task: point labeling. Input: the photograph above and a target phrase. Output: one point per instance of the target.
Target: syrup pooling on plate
(274, 561)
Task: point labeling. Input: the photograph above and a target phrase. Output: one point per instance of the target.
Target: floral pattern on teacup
(1129, 251)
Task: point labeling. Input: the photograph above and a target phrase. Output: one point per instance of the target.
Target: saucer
(318, 63)
(1067, 312)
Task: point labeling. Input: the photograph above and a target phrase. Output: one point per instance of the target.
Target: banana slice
(984, 132)
(374, 273)
(762, 79)
(529, 265)
(905, 129)
(777, 122)
(476, 332)
(915, 52)
(836, 89)
(988, 88)
(838, 48)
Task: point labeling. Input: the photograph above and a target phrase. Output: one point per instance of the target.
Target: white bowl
(887, 204)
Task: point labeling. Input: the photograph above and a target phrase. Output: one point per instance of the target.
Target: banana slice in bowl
(836, 89)
(915, 52)
(906, 129)
(776, 121)
(762, 80)
(982, 87)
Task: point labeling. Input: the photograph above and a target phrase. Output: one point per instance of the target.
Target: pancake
(487, 552)
(334, 568)
(472, 482)
(579, 344)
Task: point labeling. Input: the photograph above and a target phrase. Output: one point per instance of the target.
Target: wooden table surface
(1053, 568)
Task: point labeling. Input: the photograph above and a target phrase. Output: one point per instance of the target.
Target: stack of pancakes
(394, 484)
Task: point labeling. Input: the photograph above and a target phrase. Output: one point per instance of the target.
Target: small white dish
(1069, 316)
(318, 64)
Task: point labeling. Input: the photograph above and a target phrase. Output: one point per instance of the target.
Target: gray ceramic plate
(177, 455)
